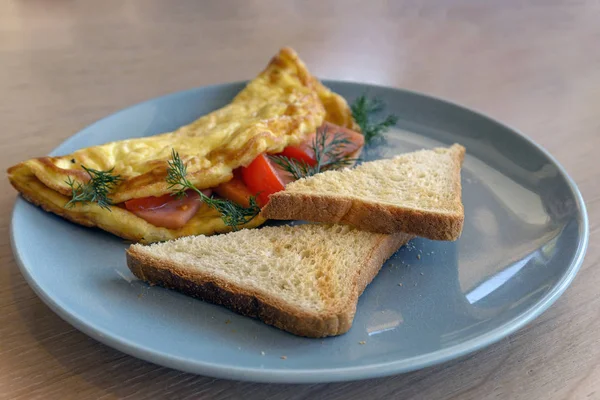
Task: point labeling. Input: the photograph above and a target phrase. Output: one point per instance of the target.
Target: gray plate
(524, 239)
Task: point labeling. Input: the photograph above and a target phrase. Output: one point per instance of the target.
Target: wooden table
(533, 64)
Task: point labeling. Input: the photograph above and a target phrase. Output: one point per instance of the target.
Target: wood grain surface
(532, 64)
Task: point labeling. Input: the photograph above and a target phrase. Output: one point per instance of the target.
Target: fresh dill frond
(176, 176)
(232, 214)
(296, 168)
(95, 190)
(328, 154)
(363, 112)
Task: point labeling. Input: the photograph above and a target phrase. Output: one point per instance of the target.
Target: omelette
(283, 106)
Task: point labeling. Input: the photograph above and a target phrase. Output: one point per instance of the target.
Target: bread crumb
(227, 322)
(262, 353)
(418, 256)
(283, 357)
(362, 342)
(400, 284)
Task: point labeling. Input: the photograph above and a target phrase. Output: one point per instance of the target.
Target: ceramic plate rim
(332, 374)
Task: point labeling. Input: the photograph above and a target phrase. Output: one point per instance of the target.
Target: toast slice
(417, 193)
(304, 279)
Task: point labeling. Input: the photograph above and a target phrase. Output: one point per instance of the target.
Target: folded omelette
(281, 107)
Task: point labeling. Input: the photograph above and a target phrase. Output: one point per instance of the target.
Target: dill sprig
(95, 190)
(363, 111)
(232, 214)
(296, 168)
(328, 154)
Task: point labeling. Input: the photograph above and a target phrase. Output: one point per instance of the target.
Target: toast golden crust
(364, 215)
(252, 303)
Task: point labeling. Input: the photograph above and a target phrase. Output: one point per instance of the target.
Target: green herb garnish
(328, 155)
(232, 214)
(95, 190)
(363, 112)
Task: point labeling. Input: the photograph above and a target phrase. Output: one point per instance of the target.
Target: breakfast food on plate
(221, 159)
(283, 144)
(304, 279)
(417, 193)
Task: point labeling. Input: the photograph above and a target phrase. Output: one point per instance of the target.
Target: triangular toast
(304, 279)
(417, 193)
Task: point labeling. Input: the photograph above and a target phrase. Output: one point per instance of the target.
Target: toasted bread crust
(251, 303)
(372, 217)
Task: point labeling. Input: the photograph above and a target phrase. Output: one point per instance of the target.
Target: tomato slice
(262, 179)
(302, 153)
(235, 190)
(167, 211)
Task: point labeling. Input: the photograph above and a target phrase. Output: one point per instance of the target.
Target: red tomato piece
(262, 179)
(235, 190)
(302, 153)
